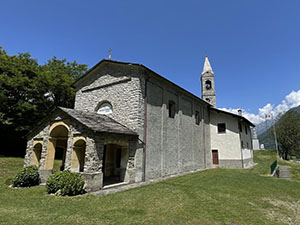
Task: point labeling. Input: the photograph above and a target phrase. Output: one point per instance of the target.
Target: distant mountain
(263, 126)
(296, 109)
(266, 136)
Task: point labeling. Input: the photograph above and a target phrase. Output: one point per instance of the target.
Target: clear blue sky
(253, 46)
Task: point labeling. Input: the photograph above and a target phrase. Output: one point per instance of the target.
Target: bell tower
(208, 84)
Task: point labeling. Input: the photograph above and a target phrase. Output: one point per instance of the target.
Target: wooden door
(215, 157)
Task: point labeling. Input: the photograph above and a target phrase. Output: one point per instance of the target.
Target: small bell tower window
(208, 85)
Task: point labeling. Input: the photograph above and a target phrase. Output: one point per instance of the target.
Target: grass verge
(217, 196)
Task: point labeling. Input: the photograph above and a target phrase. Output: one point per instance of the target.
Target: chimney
(240, 112)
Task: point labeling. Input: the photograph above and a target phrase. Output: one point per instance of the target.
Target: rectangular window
(240, 127)
(246, 129)
(247, 145)
(221, 128)
(172, 109)
(242, 144)
(197, 117)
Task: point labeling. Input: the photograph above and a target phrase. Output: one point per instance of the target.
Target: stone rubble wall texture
(125, 95)
(123, 88)
(42, 135)
(211, 93)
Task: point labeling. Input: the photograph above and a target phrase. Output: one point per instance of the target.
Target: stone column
(92, 174)
(28, 160)
(69, 150)
(131, 170)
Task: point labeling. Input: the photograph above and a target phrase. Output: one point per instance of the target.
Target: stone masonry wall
(121, 87)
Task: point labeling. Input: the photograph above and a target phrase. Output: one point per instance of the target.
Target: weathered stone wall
(43, 134)
(175, 145)
(123, 87)
(119, 85)
(208, 93)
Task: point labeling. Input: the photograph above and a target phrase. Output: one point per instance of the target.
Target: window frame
(102, 104)
(219, 130)
(197, 117)
(240, 127)
(172, 109)
(208, 85)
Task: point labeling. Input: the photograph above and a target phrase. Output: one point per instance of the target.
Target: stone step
(284, 172)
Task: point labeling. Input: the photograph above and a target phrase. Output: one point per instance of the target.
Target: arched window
(207, 99)
(208, 85)
(105, 108)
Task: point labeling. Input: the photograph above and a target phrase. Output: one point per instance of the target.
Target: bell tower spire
(208, 83)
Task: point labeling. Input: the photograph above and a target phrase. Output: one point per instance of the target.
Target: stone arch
(78, 154)
(37, 150)
(57, 146)
(57, 127)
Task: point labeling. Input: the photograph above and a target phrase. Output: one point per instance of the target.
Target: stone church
(130, 124)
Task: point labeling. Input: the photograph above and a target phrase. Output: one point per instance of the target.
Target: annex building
(130, 124)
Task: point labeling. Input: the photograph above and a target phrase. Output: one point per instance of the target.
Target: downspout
(251, 141)
(241, 147)
(204, 144)
(145, 131)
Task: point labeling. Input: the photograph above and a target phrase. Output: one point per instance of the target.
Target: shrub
(27, 177)
(65, 183)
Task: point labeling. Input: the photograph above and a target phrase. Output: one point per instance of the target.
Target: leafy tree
(288, 134)
(29, 91)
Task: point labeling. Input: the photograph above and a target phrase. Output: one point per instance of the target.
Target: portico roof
(93, 121)
(98, 123)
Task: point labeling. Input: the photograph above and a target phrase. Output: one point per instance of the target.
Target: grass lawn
(217, 196)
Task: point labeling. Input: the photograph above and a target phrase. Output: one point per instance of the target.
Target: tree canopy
(29, 91)
(288, 134)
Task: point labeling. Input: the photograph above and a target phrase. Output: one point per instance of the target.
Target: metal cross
(109, 51)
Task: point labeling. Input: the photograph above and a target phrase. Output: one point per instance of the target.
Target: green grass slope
(216, 196)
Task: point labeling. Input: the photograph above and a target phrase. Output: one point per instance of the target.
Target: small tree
(288, 134)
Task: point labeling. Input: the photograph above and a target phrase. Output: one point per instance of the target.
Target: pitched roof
(207, 66)
(98, 123)
(234, 115)
(78, 81)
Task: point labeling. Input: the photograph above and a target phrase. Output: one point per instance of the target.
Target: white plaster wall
(246, 138)
(227, 144)
(247, 153)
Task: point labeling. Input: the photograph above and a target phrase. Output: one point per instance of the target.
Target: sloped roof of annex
(93, 121)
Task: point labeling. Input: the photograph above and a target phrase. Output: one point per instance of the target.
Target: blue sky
(253, 46)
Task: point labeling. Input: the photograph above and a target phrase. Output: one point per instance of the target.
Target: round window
(105, 109)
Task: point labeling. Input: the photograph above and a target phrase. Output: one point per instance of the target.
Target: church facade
(130, 124)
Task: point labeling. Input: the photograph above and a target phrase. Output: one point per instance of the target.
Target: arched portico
(78, 154)
(57, 146)
(37, 150)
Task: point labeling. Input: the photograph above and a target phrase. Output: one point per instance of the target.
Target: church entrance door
(115, 159)
(215, 156)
